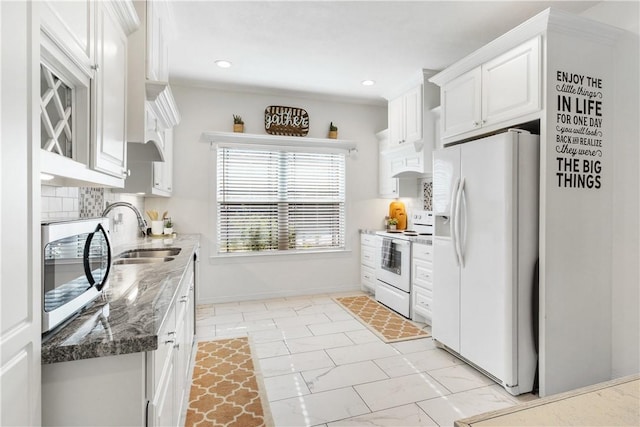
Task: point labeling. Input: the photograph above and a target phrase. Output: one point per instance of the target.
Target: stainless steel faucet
(142, 224)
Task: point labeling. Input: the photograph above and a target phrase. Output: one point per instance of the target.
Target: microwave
(76, 259)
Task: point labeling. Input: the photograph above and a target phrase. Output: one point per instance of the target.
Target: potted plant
(333, 131)
(168, 226)
(393, 222)
(238, 124)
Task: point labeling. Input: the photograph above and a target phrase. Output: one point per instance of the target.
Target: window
(276, 199)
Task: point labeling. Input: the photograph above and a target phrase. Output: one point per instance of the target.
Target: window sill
(276, 256)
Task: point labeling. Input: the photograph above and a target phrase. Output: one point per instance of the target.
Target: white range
(393, 263)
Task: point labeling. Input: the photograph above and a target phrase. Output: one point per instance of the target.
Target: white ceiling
(329, 47)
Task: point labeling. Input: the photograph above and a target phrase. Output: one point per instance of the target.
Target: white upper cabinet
(387, 186)
(83, 90)
(413, 115)
(462, 104)
(511, 84)
(163, 171)
(151, 109)
(110, 151)
(408, 153)
(405, 117)
(71, 24)
(496, 94)
(157, 49)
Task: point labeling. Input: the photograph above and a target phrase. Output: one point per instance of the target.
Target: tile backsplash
(59, 202)
(426, 186)
(88, 202)
(91, 202)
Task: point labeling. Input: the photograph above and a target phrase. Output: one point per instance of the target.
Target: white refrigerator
(485, 203)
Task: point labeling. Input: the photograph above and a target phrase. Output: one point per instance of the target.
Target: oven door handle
(401, 242)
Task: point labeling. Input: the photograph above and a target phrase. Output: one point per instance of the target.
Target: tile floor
(322, 367)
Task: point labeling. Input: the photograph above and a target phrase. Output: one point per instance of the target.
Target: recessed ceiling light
(45, 176)
(368, 83)
(223, 64)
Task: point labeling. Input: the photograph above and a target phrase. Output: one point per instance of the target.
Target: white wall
(241, 278)
(625, 347)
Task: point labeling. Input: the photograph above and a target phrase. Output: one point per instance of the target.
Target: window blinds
(279, 200)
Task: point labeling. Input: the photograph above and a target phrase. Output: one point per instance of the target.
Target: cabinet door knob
(169, 341)
(95, 67)
(475, 124)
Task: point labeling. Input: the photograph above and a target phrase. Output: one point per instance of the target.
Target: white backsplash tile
(88, 202)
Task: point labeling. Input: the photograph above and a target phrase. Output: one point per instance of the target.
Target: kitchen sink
(134, 260)
(150, 253)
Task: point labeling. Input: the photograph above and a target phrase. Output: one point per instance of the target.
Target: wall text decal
(578, 130)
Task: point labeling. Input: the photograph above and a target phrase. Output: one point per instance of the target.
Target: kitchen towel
(388, 254)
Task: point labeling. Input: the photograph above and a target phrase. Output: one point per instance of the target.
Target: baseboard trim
(278, 294)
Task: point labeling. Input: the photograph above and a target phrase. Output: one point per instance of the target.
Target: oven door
(74, 270)
(393, 264)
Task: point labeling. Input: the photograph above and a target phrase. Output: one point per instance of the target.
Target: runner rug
(385, 323)
(227, 388)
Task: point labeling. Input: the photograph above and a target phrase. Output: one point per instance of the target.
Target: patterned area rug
(226, 389)
(388, 325)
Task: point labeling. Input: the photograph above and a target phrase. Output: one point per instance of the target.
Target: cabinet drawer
(422, 274)
(368, 256)
(422, 251)
(422, 303)
(368, 279)
(368, 240)
(166, 340)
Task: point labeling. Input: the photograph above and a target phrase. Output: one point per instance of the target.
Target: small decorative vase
(333, 134)
(168, 230)
(157, 227)
(392, 226)
(238, 127)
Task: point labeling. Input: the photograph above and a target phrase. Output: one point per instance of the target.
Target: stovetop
(402, 234)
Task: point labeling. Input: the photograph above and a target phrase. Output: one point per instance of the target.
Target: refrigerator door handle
(452, 220)
(458, 245)
(462, 236)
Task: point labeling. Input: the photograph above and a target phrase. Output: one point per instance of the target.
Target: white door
(413, 115)
(396, 121)
(446, 177)
(111, 94)
(446, 268)
(511, 84)
(445, 325)
(19, 220)
(462, 104)
(486, 242)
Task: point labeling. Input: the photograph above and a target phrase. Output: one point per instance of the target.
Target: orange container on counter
(397, 211)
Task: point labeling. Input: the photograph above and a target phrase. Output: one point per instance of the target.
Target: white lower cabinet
(171, 361)
(368, 263)
(422, 282)
(137, 389)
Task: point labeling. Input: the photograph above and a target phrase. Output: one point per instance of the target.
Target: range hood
(410, 174)
(160, 113)
(407, 161)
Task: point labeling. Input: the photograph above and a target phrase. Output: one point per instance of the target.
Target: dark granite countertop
(128, 316)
